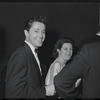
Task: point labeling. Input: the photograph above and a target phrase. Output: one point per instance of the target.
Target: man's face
(36, 34)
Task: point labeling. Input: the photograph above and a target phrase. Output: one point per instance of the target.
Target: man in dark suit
(24, 72)
(85, 65)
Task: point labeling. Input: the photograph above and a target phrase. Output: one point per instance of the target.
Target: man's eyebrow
(37, 28)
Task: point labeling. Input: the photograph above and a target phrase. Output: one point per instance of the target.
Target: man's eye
(36, 31)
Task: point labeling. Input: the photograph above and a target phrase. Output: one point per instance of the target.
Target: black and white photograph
(49, 50)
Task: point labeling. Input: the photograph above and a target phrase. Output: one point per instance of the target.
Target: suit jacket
(85, 65)
(95, 38)
(23, 78)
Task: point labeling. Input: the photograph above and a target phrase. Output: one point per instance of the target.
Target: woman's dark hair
(30, 21)
(59, 43)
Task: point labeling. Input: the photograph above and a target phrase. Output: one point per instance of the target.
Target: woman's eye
(66, 49)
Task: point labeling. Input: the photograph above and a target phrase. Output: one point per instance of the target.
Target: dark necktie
(37, 51)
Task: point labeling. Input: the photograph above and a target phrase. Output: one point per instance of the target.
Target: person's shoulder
(19, 51)
(56, 65)
(91, 44)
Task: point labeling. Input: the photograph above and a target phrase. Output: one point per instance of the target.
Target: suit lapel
(34, 61)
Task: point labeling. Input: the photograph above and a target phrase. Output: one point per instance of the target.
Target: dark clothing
(85, 65)
(93, 39)
(23, 78)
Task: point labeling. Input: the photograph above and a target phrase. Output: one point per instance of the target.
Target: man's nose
(40, 34)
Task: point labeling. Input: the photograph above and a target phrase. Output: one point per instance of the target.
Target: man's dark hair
(30, 21)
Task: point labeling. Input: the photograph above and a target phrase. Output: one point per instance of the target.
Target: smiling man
(24, 73)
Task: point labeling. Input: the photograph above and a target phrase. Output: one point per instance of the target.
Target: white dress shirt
(35, 54)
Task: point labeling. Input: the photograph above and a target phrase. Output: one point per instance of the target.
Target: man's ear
(26, 33)
(58, 50)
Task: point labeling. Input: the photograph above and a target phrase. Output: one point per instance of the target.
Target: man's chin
(40, 45)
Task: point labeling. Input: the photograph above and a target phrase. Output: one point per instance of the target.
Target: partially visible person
(62, 53)
(85, 65)
(24, 72)
(94, 38)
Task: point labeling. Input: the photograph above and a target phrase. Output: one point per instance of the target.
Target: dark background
(77, 20)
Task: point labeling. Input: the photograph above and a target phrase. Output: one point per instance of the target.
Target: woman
(62, 53)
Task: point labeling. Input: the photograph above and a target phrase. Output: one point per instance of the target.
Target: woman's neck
(61, 60)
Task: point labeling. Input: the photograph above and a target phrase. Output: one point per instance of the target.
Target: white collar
(31, 46)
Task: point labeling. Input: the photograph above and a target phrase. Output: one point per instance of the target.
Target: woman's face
(66, 51)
